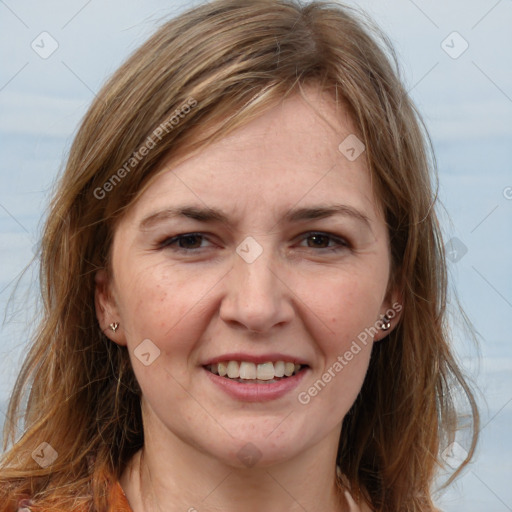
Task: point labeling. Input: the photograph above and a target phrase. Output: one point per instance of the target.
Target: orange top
(119, 503)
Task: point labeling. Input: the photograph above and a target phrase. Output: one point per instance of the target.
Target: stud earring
(385, 323)
(114, 326)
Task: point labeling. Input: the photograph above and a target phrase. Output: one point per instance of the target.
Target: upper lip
(256, 359)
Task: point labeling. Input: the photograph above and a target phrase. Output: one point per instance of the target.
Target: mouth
(247, 372)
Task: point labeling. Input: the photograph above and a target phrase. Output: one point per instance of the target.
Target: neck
(156, 481)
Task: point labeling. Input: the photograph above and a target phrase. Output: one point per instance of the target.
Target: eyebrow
(206, 214)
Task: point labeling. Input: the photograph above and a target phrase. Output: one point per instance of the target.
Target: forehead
(289, 155)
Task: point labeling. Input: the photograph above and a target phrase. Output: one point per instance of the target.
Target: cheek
(341, 318)
(345, 304)
(163, 304)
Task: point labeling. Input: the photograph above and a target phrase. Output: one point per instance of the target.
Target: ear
(392, 309)
(106, 308)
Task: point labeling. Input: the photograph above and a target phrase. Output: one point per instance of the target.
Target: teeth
(279, 369)
(222, 369)
(288, 369)
(233, 370)
(251, 372)
(247, 370)
(265, 371)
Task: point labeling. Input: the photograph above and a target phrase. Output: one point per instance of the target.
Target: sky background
(461, 83)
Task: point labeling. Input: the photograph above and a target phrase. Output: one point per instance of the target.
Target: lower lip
(256, 392)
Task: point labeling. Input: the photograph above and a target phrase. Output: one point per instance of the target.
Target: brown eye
(186, 241)
(319, 241)
(190, 241)
(325, 241)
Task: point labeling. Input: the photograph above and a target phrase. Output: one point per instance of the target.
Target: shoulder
(118, 503)
(355, 507)
(352, 505)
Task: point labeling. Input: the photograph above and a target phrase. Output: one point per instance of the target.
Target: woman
(243, 282)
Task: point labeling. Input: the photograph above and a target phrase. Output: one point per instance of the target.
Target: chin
(259, 452)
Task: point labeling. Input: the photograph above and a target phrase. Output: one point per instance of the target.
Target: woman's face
(267, 246)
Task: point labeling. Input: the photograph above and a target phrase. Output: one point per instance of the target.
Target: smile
(249, 372)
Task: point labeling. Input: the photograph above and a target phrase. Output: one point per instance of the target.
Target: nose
(257, 297)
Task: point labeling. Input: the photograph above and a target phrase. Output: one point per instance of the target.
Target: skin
(299, 297)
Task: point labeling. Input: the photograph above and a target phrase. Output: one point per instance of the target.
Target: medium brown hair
(230, 61)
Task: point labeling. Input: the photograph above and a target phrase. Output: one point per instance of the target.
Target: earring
(114, 326)
(385, 323)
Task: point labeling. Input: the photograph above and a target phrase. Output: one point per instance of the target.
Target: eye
(189, 242)
(320, 240)
(185, 242)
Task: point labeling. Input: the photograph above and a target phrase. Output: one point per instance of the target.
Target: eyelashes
(316, 240)
(176, 241)
(320, 236)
